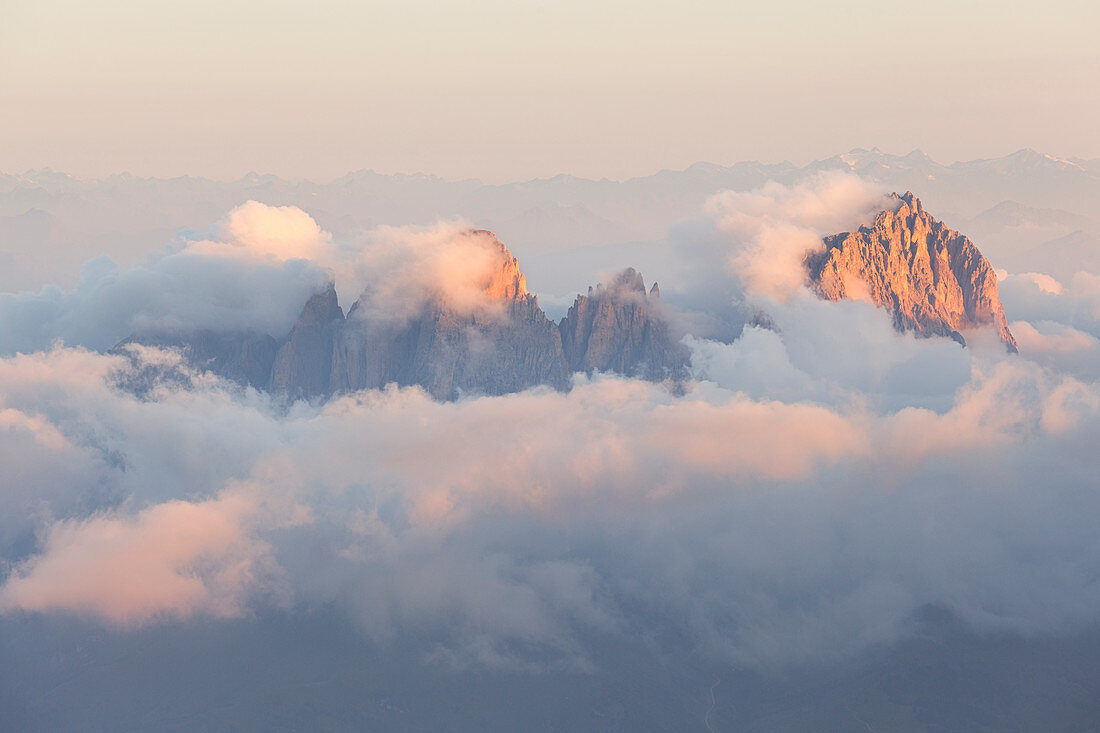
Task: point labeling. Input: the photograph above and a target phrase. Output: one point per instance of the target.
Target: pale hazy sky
(507, 90)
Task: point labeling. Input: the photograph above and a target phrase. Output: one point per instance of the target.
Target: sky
(513, 90)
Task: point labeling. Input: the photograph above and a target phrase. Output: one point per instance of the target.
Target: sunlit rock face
(620, 328)
(504, 281)
(932, 279)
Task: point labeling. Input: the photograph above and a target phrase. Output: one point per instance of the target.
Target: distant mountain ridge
(536, 217)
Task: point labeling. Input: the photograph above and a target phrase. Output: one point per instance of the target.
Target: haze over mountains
(563, 228)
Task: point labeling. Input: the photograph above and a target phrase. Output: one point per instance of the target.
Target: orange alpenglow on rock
(933, 279)
(505, 281)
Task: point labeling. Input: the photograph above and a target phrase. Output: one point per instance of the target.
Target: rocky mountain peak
(321, 308)
(303, 363)
(909, 201)
(627, 281)
(617, 327)
(504, 280)
(933, 279)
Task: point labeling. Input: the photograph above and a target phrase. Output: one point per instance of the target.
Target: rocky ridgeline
(506, 345)
(932, 279)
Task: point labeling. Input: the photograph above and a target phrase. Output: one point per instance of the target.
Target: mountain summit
(933, 279)
(503, 281)
(619, 328)
(497, 342)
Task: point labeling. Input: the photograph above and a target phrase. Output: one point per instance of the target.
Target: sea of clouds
(820, 480)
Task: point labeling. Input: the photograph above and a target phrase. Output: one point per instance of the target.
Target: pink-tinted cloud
(770, 230)
(171, 560)
(276, 233)
(399, 269)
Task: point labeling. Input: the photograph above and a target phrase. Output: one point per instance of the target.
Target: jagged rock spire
(932, 278)
(619, 328)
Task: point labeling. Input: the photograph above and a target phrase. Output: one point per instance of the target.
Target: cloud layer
(249, 274)
(818, 482)
(770, 230)
(773, 530)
